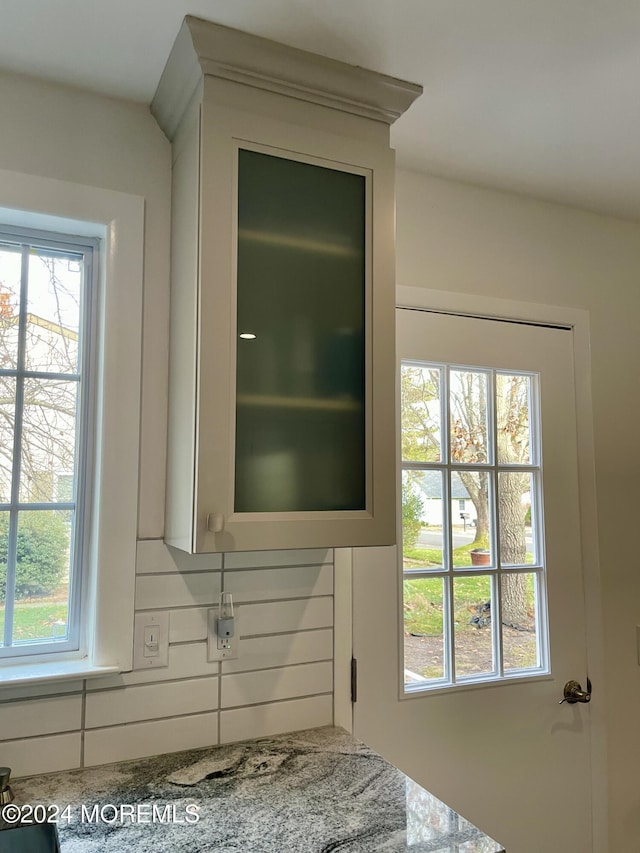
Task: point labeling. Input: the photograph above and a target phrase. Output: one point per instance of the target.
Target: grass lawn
(35, 620)
(423, 597)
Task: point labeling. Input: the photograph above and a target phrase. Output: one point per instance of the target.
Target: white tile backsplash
(253, 688)
(149, 701)
(282, 680)
(281, 650)
(266, 584)
(154, 556)
(43, 716)
(262, 559)
(177, 590)
(286, 616)
(139, 740)
(277, 717)
(41, 754)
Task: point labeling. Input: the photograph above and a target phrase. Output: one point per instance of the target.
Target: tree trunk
(513, 548)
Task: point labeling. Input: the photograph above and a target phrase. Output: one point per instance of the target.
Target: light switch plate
(213, 652)
(151, 623)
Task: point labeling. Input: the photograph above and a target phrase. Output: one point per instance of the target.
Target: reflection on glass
(470, 519)
(10, 267)
(7, 421)
(515, 508)
(473, 626)
(48, 437)
(42, 576)
(468, 416)
(53, 312)
(422, 543)
(424, 609)
(420, 407)
(513, 394)
(300, 418)
(520, 621)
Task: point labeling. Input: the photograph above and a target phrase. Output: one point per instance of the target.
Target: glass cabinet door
(300, 337)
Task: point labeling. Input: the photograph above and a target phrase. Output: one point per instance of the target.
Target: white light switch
(151, 639)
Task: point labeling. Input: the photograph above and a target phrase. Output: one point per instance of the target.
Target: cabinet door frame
(223, 132)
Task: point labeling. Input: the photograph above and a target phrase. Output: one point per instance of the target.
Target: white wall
(284, 677)
(463, 239)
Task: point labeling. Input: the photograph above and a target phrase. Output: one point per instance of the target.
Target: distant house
(428, 486)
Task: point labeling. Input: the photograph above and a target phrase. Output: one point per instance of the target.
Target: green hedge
(42, 552)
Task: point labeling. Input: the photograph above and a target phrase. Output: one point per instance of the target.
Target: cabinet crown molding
(204, 48)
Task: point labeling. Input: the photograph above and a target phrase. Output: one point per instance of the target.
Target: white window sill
(13, 675)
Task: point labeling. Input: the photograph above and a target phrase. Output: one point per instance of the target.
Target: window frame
(447, 573)
(89, 248)
(117, 220)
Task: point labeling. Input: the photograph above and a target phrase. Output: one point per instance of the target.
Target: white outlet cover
(158, 619)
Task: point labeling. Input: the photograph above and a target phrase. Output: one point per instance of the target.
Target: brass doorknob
(573, 693)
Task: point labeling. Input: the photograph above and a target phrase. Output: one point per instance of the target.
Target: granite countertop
(313, 791)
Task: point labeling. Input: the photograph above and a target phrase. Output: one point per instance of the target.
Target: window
(473, 593)
(46, 288)
(116, 220)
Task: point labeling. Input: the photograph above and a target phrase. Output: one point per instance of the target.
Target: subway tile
(154, 556)
(281, 650)
(35, 691)
(286, 616)
(151, 701)
(139, 740)
(40, 716)
(266, 584)
(179, 590)
(252, 688)
(262, 559)
(263, 720)
(188, 625)
(41, 755)
(186, 661)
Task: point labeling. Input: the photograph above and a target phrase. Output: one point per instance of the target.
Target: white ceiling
(537, 96)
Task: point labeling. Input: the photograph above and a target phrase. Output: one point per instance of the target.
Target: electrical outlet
(222, 648)
(151, 639)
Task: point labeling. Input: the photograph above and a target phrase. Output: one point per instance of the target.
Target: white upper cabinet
(281, 397)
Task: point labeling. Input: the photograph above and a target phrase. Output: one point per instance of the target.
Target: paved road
(431, 537)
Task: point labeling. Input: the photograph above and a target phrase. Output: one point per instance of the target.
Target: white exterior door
(491, 740)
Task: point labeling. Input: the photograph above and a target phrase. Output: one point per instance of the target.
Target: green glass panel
(300, 415)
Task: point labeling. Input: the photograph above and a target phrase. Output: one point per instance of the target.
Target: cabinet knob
(215, 522)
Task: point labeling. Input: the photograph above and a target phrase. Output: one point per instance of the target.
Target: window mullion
(494, 497)
(448, 623)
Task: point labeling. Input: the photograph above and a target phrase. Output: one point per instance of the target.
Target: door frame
(488, 307)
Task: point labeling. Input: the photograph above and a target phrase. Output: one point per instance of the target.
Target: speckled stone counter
(314, 791)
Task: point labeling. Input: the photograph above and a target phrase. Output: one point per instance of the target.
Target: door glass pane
(471, 527)
(472, 614)
(420, 402)
(48, 437)
(515, 508)
(423, 629)
(10, 267)
(422, 542)
(468, 415)
(300, 416)
(513, 405)
(520, 621)
(42, 576)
